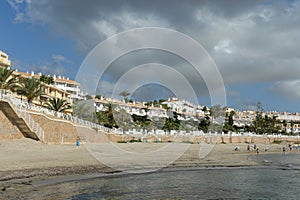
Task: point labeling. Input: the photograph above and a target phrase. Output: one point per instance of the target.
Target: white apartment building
(72, 88)
(69, 86)
(137, 108)
(243, 118)
(187, 110)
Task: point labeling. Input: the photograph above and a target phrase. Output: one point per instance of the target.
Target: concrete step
(12, 115)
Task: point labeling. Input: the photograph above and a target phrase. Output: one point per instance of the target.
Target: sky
(253, 44)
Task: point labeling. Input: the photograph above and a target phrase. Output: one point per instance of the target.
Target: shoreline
(51, 179)
(36, 158)
(26, 163)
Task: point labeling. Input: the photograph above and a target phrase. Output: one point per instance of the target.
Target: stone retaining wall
(7, 129)
(58, 131)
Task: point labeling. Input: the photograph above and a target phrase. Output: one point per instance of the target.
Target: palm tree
(58, 105)
(125, 95)
(83, 110)
(106, 118)
(7, 80)
(47, 79)
(284, 122)
(31, 88)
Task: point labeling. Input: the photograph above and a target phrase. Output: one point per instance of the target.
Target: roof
(120, 103)
(60, 80)
(24, 74)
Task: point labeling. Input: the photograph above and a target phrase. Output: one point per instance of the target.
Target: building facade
(70, 86)
(50, 91)
(134, 108)
(4, 60)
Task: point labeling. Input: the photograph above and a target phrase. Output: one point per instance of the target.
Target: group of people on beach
(254, 148)
(251, 148)
(284, 149)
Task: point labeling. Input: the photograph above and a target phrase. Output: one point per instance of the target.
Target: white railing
(23, 106)
(22, 113)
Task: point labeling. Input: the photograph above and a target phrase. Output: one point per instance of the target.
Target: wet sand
(25, 162)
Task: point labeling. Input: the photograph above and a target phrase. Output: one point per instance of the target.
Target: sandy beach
(25, 160)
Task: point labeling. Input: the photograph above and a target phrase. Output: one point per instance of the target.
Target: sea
(277, 178)
(280, 179)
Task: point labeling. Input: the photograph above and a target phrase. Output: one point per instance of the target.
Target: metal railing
(22, 108)
(22, 113)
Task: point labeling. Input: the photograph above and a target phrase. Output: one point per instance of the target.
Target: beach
(25, 160)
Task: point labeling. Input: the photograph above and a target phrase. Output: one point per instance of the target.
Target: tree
(204, 124)
(125, 95)
(292, 127)
(216, 112)
(98, 96)
(228, 126)
(7, 80)
(106, 118)
(84, 110)
(31, 88)
(58, 105)
(165, 106)
(172, 123)
(263, 123)
(88, 97)
(142, 121)
(47, 79)
(123, 119)
(161, 101)
(284, 122)
(259, 122)
(230, 118)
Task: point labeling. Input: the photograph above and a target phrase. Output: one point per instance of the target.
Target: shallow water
(280, 180)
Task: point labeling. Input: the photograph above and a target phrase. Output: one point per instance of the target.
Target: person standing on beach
(252, 148)
(257, 150)
(283, 149)
(248, 148)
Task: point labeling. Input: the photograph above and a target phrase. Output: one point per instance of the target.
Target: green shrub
(276, 142)
(121, 142)
(189, 142)
(133, 140)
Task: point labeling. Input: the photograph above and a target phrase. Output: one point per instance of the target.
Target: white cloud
(223, 46)
(250, 41)
(58, 58)
(289, 89)
(105, 88)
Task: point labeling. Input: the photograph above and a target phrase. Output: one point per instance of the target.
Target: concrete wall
(7, 129)
(58, 131)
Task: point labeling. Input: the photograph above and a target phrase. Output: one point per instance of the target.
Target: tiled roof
(60, 80)
(24, 74)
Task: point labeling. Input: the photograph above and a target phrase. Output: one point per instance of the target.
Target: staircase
(21, 118)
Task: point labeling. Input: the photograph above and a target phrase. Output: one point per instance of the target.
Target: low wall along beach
(60, 131)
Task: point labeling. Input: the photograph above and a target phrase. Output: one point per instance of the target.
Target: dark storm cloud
(250, 41)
